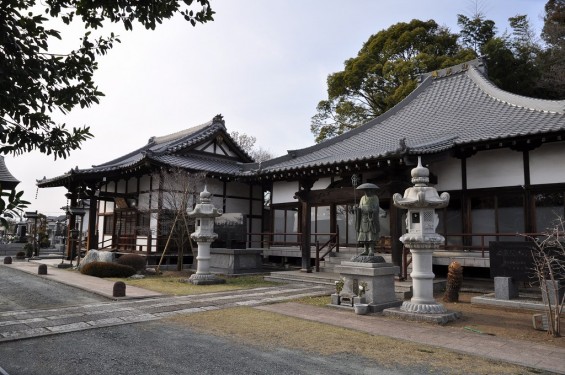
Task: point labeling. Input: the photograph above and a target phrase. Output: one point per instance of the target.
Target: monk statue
(367, 219)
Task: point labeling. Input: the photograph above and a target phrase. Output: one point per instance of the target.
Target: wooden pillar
(306, 231)
(71, 243)
(529, 204)
(306, 222)
(92, 241)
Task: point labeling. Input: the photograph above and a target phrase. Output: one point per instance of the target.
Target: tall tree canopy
(384, 71)
(512, 59)
(475, 31)
(34, 82)
(552, 61)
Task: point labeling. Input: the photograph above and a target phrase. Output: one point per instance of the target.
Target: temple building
(499, 155)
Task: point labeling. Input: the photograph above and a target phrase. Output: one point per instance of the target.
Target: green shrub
(20, 255)
(107, 269)
(135, 261)
(28, 248)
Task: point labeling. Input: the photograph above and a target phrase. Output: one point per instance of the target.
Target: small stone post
(204, 213)
(42, 269)
(119, 289)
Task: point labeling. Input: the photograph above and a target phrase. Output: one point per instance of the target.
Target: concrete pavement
(144, 305)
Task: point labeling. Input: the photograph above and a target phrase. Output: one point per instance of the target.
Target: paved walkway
(145, 305)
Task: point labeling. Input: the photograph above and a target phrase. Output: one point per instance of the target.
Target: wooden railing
(331, 244)
(480, 245)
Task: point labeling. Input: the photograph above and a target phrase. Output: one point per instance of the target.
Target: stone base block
(505, 288)
(378, 307)
(443, 318)
(540, 322)
(206, 279)
(236, 261)
(423, 308)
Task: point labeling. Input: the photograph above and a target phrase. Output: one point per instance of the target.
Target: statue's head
(368, 188)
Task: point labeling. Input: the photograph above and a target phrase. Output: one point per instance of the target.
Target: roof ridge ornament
(219, 119)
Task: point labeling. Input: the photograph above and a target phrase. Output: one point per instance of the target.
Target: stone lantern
(421, 238)
(204, 213)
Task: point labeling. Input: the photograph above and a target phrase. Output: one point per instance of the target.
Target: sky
(262, 64)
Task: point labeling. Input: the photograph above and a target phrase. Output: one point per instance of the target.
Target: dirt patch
(497, 321)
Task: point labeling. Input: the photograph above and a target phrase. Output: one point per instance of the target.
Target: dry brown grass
(484, 320)
(265, 329)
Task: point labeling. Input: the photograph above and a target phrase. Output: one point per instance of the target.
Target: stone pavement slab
(92, 284)
(16, 325)
(523, 353)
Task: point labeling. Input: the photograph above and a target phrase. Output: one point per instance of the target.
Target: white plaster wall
(495, 168)
(214, 186)
(121, 188)
(322, 183)
(284, 191)
(100, 226)
(109, 187)
(257, 207)
(145, 183)
(237, 205)
(448, 174)
(143, 201)
(547, 164)
(132, 185)
(109, 207)
(237, 189)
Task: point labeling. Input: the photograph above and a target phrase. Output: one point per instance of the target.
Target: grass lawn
(175, 284)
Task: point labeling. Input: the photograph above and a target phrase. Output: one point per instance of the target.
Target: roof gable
(207, 147)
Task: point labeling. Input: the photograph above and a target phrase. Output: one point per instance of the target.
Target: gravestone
(505, 288)
(511, 259)
(231, 229)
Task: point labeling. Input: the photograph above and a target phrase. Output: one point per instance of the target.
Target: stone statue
(367, 219)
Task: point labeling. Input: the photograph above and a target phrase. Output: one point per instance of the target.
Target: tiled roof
(200, 163)
(165, 150)
(9, 182)
(455, 106)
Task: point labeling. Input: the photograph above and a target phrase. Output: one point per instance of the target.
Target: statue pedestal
(380, 283)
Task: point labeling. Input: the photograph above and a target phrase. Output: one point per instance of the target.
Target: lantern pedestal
(421, 201)
(204, 213)
(203, 276)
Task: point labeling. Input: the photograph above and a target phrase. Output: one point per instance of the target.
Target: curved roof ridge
(489, 88)
(361, 128)
(179, 134)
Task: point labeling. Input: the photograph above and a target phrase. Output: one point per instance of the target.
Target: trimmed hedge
(107, 269)
(135, 261)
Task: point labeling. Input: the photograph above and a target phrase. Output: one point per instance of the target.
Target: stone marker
(8, 260)
(119, 289)
(42, 269)
(505, 288)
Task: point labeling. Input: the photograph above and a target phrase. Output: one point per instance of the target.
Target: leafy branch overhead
(11, 204)
(35, 82)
